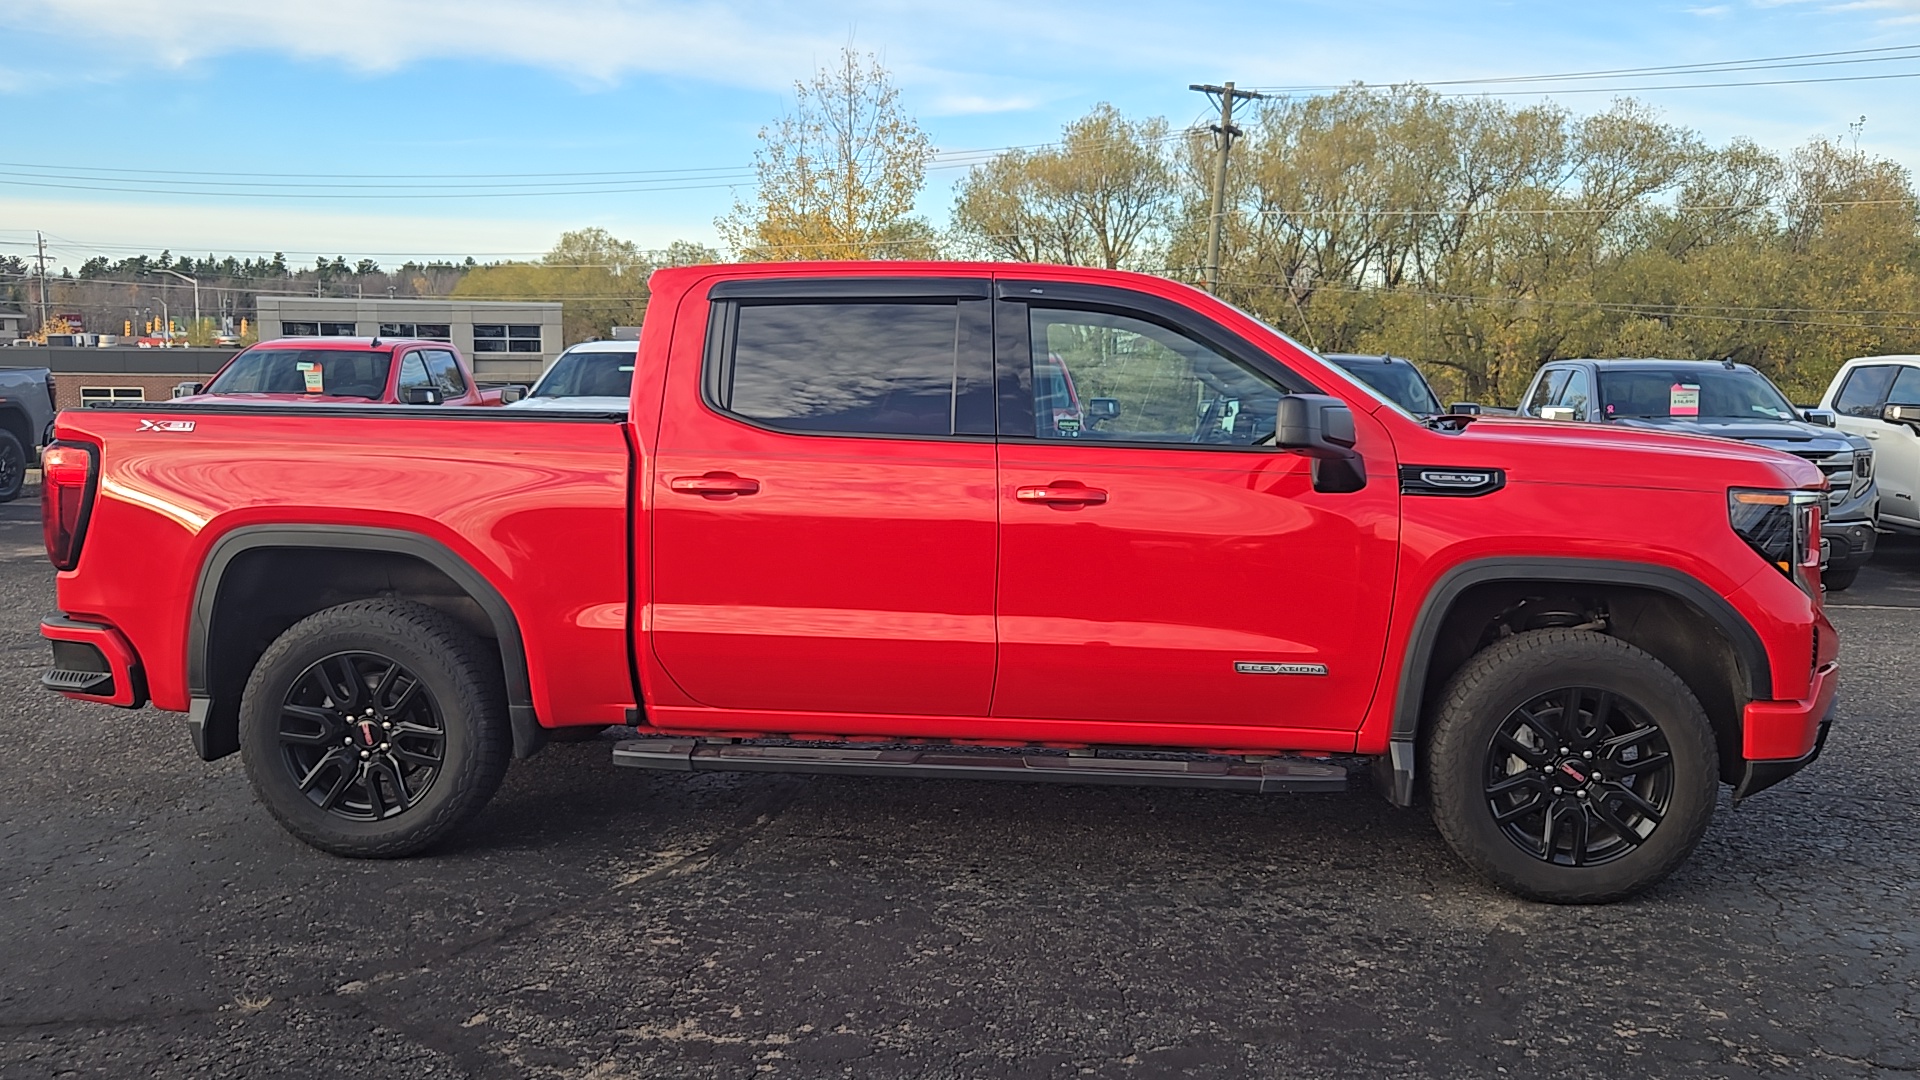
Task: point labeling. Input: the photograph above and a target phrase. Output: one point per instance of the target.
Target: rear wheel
(1571, 767)
(375, 728)
(13, 466)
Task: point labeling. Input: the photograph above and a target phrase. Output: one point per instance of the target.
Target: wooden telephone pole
(1226, 133)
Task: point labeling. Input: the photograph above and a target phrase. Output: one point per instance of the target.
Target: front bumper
(92, 662)
(1852, 541)
(1782, 737)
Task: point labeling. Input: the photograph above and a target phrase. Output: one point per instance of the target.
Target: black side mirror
(1901, 414)
(1321, 427)
(1822, 417)
(511, 394)
(1464, 408)
(187, 389)
(1103, 408)
(420, 395)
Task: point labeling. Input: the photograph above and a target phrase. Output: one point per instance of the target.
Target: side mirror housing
(1823, 417)
(187, 389)
(1557, 412)
(1464, 408)
(1321, 428)
(1901, 414)
(420, 395)
(1103, 408)
(511, 394)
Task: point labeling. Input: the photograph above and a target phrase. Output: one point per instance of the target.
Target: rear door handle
(714, 483)
(1061, 493)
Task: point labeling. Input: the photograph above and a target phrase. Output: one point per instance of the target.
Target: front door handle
(1061, 493)
(714, 483)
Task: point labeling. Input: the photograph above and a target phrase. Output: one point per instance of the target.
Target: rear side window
(334, 372)
(1906, 388)
(846, 368)
(445, 371)
(1864, 390)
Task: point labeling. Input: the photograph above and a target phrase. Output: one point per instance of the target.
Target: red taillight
(66, 497)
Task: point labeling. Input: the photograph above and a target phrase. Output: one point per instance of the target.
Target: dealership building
(507, 341)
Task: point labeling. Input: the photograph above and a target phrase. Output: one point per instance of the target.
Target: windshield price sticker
(1683, 399)
(312, 375)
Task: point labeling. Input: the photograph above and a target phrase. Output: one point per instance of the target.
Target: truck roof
(347, 342)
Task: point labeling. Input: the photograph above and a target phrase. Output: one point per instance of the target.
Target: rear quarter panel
(536, 505)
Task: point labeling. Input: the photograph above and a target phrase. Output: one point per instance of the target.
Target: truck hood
(1611, 455)
(1790, 435)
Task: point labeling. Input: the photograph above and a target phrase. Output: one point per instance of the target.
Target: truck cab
(340, 370)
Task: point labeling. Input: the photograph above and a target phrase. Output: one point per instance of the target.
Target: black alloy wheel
(375, 729)
(13, 466)
(361, 736)
(1578, 776)
(1570, 766)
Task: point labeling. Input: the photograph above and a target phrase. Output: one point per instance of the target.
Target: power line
(1647, 72)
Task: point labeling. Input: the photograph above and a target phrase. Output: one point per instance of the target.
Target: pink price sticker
(1683, 399)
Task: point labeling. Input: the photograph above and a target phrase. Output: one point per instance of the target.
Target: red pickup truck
(841, 530)
(338, 370)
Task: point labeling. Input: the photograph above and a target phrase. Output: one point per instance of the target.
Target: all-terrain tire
(13, 466)
(1839, 579)
(458, 683)
(1481, 702)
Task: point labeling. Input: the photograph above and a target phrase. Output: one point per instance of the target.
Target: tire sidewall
(274, 783)
(1459, 767)
(11, 449)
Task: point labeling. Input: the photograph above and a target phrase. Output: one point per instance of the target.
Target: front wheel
(1571, 767)
(13, 466)
(375, 728)
(1837, 579)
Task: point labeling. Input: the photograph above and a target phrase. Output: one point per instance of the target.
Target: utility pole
(1226, 133)
(40, 241)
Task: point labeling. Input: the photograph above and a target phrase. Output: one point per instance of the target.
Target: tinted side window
(1906, 388)
(855, 368)
(1547, 390)
(413, 372)
(1577, 394)
(1156, 385)
(1864, 390)
(446, 373)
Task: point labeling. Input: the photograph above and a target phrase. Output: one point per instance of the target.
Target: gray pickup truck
(26, 423)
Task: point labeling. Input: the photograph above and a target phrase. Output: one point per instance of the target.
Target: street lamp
(195, 282)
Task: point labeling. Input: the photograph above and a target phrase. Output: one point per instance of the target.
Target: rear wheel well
(261, 592)
(14, 422)
(1670, 628)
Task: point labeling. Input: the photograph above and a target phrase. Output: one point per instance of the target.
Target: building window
(90, 394)
(299, 329)
(336, 329)
(425, 330)
(498, 337)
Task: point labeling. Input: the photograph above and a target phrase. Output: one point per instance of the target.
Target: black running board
(686, 755)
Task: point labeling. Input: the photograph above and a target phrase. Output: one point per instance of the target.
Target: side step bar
(687, 755)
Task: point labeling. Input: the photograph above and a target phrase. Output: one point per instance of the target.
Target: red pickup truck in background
(842, 528)
(349, 370)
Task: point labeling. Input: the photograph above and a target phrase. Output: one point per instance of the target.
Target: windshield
(1400, 382)
(358, 373)
(589, 374)
(1691, 393)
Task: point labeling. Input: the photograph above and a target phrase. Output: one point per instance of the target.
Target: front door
(1896, 447)
(1160, 561)
(823, 510)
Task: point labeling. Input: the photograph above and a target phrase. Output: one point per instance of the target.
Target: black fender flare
(1410, 703)
(214, 724)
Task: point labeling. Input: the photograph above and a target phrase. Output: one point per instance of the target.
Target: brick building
(82, 375)
(507, 340)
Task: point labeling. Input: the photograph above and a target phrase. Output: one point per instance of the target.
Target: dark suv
(1732, 401)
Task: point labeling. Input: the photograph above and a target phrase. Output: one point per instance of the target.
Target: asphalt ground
(605, 923)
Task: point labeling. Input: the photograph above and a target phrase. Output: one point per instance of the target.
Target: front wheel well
(1672, 629)
(252, 594)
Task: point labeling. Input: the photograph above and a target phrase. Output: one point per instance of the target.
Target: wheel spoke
(1645, 765)
(1516, 782)
(1548, 736)
(427, 759)
(331, 757)
(344, 680)
(372, 782)
(312, 716)
(405, 698)
(1528, 754)
(1612, 819)
(1612, 747)
(1502, 817)
(1639, 802)
(1577, 843)
(399, 783)
(1584, 735)
(384, 685)
(341, 782)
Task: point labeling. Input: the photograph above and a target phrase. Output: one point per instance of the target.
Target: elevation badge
(1258, 667)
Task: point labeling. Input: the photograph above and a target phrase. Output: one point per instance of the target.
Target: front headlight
(1862, 471)
(1784, 527)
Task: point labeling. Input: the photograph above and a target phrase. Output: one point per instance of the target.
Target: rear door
(1161, 563)
(823, 492)
(1857, 407)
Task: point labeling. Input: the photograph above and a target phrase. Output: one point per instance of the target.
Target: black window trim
(1013, 351)
(973, 367)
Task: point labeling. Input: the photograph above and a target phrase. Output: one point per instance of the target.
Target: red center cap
(368, 733)
(1573, 770)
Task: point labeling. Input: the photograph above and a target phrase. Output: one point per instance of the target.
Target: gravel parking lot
(605, 923)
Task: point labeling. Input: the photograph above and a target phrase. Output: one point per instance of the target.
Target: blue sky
(293, 89)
